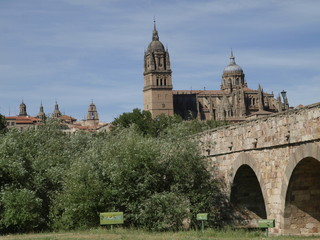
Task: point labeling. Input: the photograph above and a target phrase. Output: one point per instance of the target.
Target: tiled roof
(23, 119)
(66, 117)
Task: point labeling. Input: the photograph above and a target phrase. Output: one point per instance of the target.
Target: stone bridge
(271, 167)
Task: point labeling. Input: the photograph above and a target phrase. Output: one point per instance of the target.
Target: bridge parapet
(276, 130)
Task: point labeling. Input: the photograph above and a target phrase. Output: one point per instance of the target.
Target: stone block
(309, 225)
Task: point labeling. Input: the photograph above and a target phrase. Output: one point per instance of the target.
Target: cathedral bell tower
(157, 78)
(92, 116)
(23, 110)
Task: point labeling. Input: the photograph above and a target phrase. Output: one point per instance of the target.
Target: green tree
(141, 119)
(3, 124)
(160, 125)
(34, 160)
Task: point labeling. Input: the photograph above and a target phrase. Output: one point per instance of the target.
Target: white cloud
(75, 50)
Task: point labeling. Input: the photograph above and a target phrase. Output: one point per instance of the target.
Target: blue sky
(73, 51)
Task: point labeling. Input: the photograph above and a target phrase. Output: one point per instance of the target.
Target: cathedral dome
(155, 45)
(232, 67)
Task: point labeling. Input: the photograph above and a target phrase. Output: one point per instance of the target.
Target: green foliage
(3, 124)
(148, 170)
(21, 210)
(164, 211)
(162, 124)
(141, 119)
(35, 161)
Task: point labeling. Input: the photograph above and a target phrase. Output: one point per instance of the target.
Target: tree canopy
(145, 168)
(143, 122)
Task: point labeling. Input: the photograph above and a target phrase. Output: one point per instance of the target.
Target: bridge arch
(300, 191)
(245, 186)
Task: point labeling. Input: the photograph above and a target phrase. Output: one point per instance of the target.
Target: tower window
(160, 81)
(165, 82)
(157, 82)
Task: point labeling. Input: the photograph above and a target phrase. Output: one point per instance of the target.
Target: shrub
(21, 210)
(164, 211)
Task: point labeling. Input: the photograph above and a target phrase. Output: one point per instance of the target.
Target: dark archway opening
(246, 196)
(302, 208)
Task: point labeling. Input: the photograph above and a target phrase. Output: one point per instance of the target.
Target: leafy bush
(164, 211)
(21, 210)
(154, 174)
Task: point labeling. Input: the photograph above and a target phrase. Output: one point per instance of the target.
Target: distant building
(56, 112)
(233, 102)
(91, 123)
(92, 116)
(23, 110)
(41, 115)
(23, 120)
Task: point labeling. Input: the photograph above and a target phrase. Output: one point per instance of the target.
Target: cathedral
(234, 102)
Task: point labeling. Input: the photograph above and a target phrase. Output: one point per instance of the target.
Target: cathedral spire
(155, 36)
(56, 113)
(232, 59)
(41, 113)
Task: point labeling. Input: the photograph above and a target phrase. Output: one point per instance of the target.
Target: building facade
(233, 102)
(24, 121)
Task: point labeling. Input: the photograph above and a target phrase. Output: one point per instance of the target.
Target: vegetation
(130, 234)
(145, 168)
(148, 126)
(3, 124)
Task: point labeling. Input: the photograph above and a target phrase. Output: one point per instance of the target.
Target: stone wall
(272, 147)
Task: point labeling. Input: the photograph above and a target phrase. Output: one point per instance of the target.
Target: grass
(129, 234)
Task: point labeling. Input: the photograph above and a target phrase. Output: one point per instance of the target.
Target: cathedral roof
(155, 45)
(232, 67)
(198, 92)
